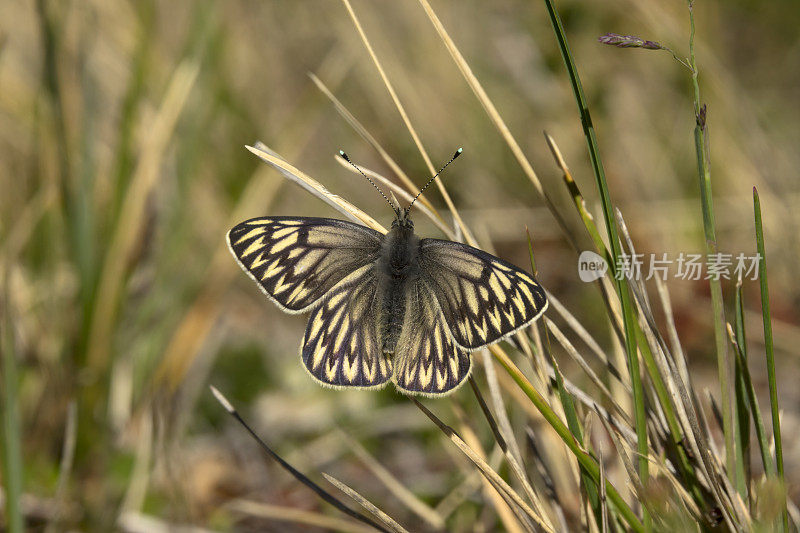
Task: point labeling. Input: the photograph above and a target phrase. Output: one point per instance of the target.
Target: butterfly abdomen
(397, 266)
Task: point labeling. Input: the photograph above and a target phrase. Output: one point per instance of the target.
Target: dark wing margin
(296, 260)
(340, 346)
(483, 298)
(427, 361)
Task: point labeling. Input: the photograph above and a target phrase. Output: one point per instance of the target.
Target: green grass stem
(12, 438)
(584, 459)
(741, 404)
(768, 346)
(640, 414)
(707, 204)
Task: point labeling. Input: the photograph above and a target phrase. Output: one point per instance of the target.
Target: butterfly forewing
(427, 361)
(482, 297)
(296, 260)
(340, 346)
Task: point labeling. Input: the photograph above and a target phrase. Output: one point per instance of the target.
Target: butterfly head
(402, 218)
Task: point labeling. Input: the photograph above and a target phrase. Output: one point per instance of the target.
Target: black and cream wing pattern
(341, 346)
(482, 298)
(427, 360)
(297, 260)
(324, 266)
(385, 307)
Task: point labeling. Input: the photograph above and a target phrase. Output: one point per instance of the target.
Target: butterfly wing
(340, 346)
(427, 361)
(296, 260)
(482, 297)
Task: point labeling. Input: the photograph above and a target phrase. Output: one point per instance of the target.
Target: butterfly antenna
(346, 158)
(458, 153)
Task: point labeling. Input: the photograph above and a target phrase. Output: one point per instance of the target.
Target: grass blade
(12, 438)
(707, 205)
(294, 516)
(755, 410)
(398, 490)
(742, 413)
(322, 493)
(773, 386)
(574, 424)
(563, 431)
(640, 414)
(390, 522)
(407, 121)
(508, 494)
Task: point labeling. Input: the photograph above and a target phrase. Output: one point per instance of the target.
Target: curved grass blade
(322, 493)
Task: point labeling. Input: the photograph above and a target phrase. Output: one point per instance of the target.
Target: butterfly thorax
(399, 251)
(397, 267)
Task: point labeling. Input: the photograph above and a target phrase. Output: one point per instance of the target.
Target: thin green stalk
(765, 313)
(575, 427)
(755, 410)
(12, 455)
(584, 459)
(742, 418)
(704, 173)
(640, 414)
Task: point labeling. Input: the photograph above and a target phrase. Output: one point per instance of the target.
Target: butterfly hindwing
(296, 260)
(427, 361)
(482, 297)
(340, 346)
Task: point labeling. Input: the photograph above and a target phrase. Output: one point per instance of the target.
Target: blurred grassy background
(122, 166)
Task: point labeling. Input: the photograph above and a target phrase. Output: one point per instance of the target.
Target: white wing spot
(484, 293)
(335, 300)
(253, 233)
(503, 279)
(524, 288)
(340, 337)
(282, 244)
(426, 375)
(272, 269)
(494, 317)
(454, 363)
(279, 286)
(350, 371)
(316, 326)
(260, 260)
(254, 247)
(480, 330)
(525, 277)
(496, 288)
(300, 291)
(440, 379)
(283, 232)
(520, 305)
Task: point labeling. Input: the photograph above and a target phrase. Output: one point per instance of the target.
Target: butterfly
(385, 307)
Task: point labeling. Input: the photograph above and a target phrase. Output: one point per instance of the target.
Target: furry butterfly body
(385, 307)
